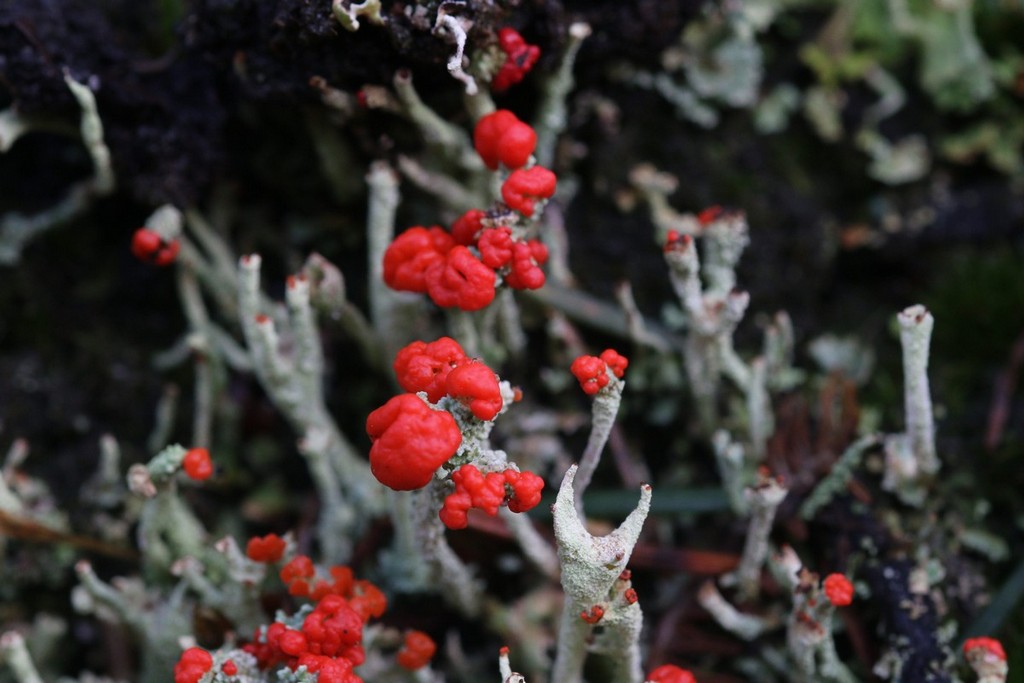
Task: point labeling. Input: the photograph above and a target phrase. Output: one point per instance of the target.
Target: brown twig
(29, 530)
(1002, 395)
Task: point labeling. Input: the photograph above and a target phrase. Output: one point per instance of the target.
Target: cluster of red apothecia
(329, 641)
(487, 492)
(412, 438)
(197, 464)
(592, 371)
(670, 673)
(677, 241)
(519, 59)
(460, 269)
(149, 247)
(838, 589)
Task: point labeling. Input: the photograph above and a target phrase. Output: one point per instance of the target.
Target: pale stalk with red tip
(809, 628)
(713, 316)
(987, 658)
(505, 669)
(590, 567)
(293, 383)
(603, 413)
(763, 500)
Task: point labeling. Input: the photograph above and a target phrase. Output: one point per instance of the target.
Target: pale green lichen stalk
(746, 626)
(157, 621)
(420, 540)
(763, 501)
(591, 565)
(910, 458)
(809, 634)
(14, 652)
(916, 325)
(348, 492)
(505, 669)
(168, 529)
(552, 114)
(347, 12)
(603, 412)
(420, 557)
(988, 666)
(729, 459)
(16, 230)
(712, 314)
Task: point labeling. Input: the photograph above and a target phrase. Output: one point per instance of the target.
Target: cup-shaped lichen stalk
(590, 567)
(916, 325)
(763, 501)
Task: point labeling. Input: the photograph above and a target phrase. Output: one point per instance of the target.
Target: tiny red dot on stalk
(677, 242)
(710, 215)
